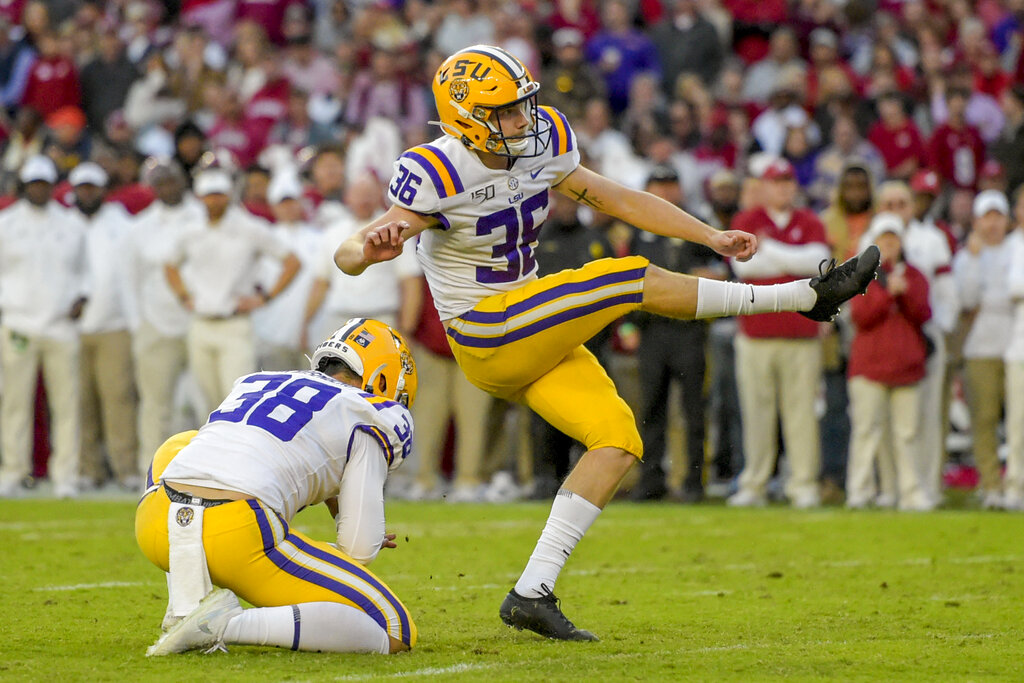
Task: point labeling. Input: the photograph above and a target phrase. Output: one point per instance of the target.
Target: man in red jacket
(52, 81)
(956, 147)
(778, 355)
(887, 363)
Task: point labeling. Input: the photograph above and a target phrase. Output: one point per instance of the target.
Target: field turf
(676, 593)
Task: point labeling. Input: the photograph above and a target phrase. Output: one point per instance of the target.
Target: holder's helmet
(375, 352)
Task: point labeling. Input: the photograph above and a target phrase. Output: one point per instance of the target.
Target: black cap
(663, 173)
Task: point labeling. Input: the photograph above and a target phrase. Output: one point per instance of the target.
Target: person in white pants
(212, 269)
(926, 248)
(159, 320)
(43, 287)
(109, 403)
(887, 363)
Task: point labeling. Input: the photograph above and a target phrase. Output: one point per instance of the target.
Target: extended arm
(651, 213)
(360, 518)
(381, 240)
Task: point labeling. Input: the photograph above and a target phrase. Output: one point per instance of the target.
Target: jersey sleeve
(360, 523)
(417, 183)
(391, 426)
(565, 153)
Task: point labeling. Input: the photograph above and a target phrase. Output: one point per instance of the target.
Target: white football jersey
(489, 218)
(285, 437)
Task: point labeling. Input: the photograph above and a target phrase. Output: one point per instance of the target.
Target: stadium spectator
(106, 80)
(784, 112)
(68, 142)
(983, 110)
(955, 148)
(620, 52)
(212, 270)
(280, 325)
(465, 23)
(686, 43)
(53, 79)
(897, 138)
(762, 78)
(385, 91)
(846, 146)
(574, 82)
(671, 351)
(26, 140)
(160, 320)
(846, 221)
(255, 184)
(16, 59)
(981, 270)
(189, 145)
(44, 285)
(309, 70)
(887, 362)
(326, 190)
(1008, 148)
(927, 248)
(1014, 359)
(778, 355)
(108, 399)
(149, 100)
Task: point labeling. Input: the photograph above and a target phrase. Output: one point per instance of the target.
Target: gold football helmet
(377, 353)
(469, 88)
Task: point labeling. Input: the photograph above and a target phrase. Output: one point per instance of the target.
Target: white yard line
(88, 586)
(429, 671)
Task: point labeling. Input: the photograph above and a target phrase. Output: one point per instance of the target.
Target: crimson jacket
(889, 346)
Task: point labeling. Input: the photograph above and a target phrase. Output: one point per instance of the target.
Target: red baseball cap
(992, 169)
(925, 182)
(780, 169)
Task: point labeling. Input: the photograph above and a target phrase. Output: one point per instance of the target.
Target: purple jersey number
(521, 231)
(404, 186)
(278, 411)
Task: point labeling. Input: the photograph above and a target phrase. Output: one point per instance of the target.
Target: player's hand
(734, 243)
(384, 242)
(389, 541)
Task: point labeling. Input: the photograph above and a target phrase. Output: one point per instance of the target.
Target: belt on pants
(188, 499)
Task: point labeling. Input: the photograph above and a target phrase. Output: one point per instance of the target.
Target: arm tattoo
(589, 200)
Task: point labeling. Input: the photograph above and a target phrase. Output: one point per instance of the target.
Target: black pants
(672, 351)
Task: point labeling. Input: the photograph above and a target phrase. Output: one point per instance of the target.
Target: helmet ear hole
(382, 384)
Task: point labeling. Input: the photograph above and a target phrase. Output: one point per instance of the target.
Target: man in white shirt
(212, 270)
(159, 320)
(220, 502)
(280, 326)
(381, 292)
(981, 269)
(43, 288)
(108, 387)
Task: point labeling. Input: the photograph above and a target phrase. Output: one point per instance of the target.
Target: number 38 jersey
(489, 218)
(285, 438)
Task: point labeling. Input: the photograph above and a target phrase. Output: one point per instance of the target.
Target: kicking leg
(682, 296)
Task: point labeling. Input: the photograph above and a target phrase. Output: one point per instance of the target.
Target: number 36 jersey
(285, 438)
(489, 219)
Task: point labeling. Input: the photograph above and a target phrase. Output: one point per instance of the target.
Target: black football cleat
(838, 284)
(541, 615)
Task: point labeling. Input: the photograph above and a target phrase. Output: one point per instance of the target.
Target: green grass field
(676, 593)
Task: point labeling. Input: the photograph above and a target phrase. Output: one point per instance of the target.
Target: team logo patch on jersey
(364, 338)
(184, 516)
(513, 183)
(459, 90)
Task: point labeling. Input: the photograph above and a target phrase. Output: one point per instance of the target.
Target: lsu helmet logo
(184, 516)
(459, 90)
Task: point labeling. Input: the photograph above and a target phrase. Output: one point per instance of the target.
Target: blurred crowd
(129, 127)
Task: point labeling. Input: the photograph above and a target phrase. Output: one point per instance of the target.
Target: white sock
(716, 298)
(571, 516)
(311, 626)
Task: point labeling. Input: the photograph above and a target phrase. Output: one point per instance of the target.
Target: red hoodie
(889, 346)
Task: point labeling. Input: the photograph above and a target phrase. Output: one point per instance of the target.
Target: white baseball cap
(882, 223)
(38, 168)
(213, 181)
(991, 200)
(88, 173)
(284, 186)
